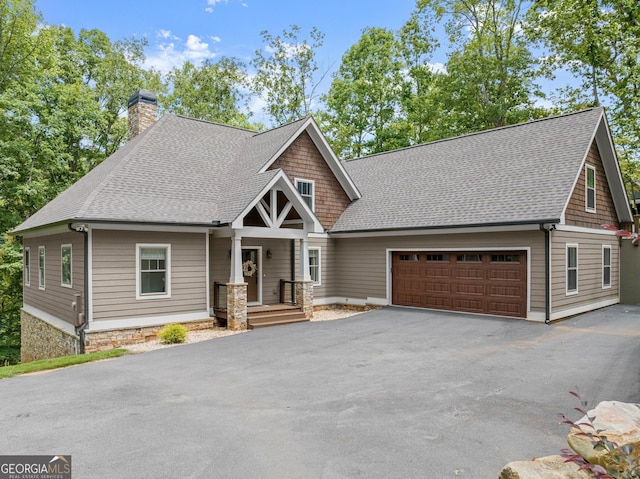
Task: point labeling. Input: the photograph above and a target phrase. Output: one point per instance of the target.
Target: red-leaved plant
(625, 467)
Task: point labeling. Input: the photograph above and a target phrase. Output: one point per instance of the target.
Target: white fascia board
(612, 171)
(327, 153)
(281, 181)
(332, 161)
(581, 229)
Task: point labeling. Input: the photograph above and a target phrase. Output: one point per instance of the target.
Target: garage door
(475, 282)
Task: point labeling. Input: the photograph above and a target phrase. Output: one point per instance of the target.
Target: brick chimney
(143, 109)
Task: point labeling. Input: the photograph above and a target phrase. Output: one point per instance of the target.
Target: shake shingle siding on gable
(605, 213)
(509, 175)
(302, 160)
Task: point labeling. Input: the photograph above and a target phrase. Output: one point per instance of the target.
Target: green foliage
(10, 299)
(61, 362)
(286, 73)
(212, 92)
(173, 333)
(364, 97)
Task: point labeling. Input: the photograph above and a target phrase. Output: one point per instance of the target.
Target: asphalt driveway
(393, 393)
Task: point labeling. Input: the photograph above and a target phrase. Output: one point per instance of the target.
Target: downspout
(547, 274)
(85, 303)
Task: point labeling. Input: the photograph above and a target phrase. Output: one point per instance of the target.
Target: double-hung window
(606, 266)
(27, 267)
(153, 271)
(306, 188)
(590, 193)
(65, 265)
(572, 269)
(41, 264)
(314, 266)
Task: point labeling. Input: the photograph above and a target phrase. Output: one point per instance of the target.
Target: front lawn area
(55, 363)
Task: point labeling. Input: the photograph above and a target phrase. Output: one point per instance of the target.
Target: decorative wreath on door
(249, 268)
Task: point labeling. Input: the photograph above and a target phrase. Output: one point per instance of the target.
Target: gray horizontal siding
(55, 299)
(361, 262)
(590, 288)
(114, 274)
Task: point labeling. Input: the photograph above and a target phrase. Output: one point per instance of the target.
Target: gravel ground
(204, 335)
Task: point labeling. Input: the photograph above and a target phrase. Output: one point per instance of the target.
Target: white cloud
(437, 67)
(213, 3)
(166, 55)
(215, 39)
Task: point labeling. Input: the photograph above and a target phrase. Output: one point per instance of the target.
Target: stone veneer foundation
(41, 340)
(117, 338)
(304, 296)
(236, 306)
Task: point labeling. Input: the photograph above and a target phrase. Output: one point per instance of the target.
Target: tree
(419, 94)
(491, 71)
(598, 41)
(211, 92)
(364, 97)
(286, 74)
(19, 46)
(62, 99)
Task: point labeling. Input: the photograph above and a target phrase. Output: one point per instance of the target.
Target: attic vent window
(591, 189)
(306, 189)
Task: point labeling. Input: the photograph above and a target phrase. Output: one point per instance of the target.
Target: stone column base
(236, 306)
(304, 297)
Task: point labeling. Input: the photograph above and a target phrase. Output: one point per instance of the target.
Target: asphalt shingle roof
(179, 170)
(513, 174)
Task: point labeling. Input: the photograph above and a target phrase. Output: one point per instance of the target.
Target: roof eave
(548, 221)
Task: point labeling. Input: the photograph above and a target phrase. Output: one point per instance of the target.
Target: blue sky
(179, 30)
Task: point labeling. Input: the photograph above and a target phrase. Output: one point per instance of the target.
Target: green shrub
(173, 333)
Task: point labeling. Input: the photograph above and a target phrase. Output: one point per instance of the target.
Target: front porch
(231, 310)
(259, 263)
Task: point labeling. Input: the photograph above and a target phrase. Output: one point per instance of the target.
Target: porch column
(236, 275)
(304, 285)
(304, 273)
(236, 288)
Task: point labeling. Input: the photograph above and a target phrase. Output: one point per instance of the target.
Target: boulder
(620, 423)
(551, 467)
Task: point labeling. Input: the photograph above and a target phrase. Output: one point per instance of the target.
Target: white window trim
(566, 264)
(70, 285)
(42, 268)
(26, 272)
(167, 293)
(313, 191)
(607, 247)
(319, 250)
(586, 188)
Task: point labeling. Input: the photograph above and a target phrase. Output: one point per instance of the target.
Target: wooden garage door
(476, 282)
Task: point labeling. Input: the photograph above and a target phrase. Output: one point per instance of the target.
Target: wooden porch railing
(219, 296)
(288, 292)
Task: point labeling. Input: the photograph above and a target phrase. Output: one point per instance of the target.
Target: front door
(251, 273)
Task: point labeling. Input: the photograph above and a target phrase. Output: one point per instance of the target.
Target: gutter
(547, 272)
(85, 301)
(400, 229)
